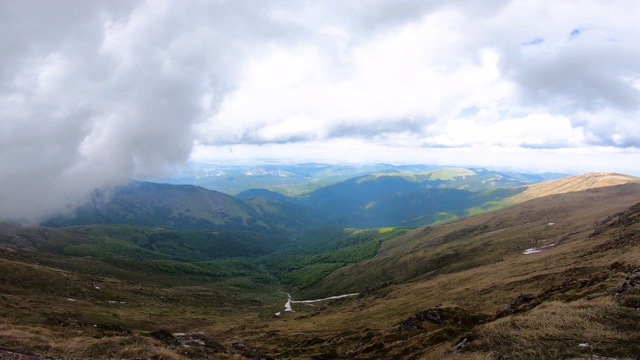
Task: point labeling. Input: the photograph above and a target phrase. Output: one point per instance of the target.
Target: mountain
(488, 237)
(413, 198)
(286, 215)
(553, 277)
(572, 183)
(369, 201)
(174, 206)
(556, 276)
(289, 180)
(267, 194)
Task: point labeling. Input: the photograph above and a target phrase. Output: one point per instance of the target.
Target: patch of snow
(287, 306)
(584, 345)
(325, 299)
(179, 334)
(72, 300)
(531, 251)
(536, 250)
(551, 224)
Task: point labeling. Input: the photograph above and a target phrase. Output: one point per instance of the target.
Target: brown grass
(555, 330)
(474, 268)
(571, 184)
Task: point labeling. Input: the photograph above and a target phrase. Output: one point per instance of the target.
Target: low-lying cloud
(95, 93)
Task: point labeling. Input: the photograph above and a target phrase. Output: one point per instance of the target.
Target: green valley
(541, 270)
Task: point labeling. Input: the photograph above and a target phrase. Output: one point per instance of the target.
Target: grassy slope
(479, 274)
(467, 271)
(484, 238)
(94, 309)
(570, 184)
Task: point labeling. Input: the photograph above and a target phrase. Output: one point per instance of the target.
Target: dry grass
(474, 265)
(571, 184)
(555, 330)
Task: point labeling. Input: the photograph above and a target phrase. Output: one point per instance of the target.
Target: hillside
(465, 241)
(414, 198)
(290, 180)
(552, 277)
(571, 183)
(183, 207)
(396, 198)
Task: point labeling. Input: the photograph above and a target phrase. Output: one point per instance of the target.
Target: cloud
(95, 93)
(534, 131)
(535, 41)
(95, 98)
(575, 33)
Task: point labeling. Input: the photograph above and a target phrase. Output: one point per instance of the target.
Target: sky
(94, 93)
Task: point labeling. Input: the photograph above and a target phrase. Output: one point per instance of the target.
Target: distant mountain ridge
(368, 201)
(290, 180)
(414, 198)
(573, 183)
(184, 207)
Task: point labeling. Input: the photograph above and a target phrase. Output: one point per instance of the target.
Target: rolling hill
(572, 183)
(290, 180)
(555, 275)
(414, 198)
(185, 207)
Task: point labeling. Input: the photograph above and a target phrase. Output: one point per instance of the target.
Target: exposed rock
(452, 315)
(415, 322)
(630, 281)
(411, 324)
(115, 328)
(249, 351)
(458, 347)
(166, 337)
(616, 265)
(23, 355)
(203, 340)
(183, 339)
(429, 315)
(515, 304)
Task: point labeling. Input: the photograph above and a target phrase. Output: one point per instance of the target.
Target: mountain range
(420, 264)
(297, 179)
(391, 198)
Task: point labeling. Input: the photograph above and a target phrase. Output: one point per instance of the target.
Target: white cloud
(534, 130)
(93, 93)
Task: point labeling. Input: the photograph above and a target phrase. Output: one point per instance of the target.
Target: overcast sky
(93, 93)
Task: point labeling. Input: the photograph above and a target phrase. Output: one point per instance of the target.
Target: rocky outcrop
(516, 305)
(249, 351)
(442, 316)
(630, 281)
(189, 340)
